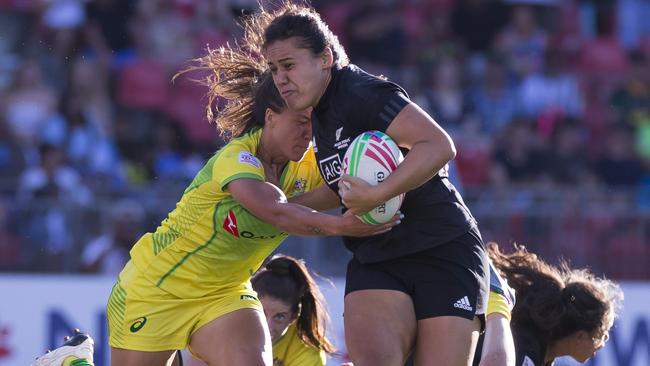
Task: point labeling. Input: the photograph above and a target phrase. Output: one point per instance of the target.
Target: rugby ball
(372, 156)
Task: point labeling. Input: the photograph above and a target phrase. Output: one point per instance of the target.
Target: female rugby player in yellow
(295, 312)
(187, 283)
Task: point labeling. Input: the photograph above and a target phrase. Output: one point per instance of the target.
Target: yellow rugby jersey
(209, 241)
(290, 350)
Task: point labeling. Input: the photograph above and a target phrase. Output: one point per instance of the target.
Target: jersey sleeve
(374, 104)
(236, 162)
(501, 299)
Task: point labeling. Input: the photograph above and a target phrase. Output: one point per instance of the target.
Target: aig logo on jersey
(330, 167)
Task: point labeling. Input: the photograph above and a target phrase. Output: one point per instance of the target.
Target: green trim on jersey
(201, 247)
(238, 176)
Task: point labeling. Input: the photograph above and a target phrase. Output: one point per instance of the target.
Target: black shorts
(451, 279)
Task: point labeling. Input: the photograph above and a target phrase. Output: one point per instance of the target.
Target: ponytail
(556, 302)
(288, 279)
(243, 82)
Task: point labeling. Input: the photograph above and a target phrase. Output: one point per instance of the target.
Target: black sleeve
(374, 104)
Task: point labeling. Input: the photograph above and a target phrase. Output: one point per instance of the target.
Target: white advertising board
(37, 311)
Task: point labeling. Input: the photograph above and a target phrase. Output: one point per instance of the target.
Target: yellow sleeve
(236, 161)
(497, 303)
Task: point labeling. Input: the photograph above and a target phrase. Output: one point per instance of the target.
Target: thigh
(124, 357)
(380, 327)
(446, 341)
(237, 338)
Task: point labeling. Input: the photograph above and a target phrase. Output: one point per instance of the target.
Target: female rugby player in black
(422, 287)
(559, 311)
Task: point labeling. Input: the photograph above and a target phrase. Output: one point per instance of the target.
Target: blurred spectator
(619, 165)
(109, 252)
(553, 90)
(89, 85)
(444, 98)
(602, 57)
(632, 21)
(632, 98)
(518, 156)
(53, 176)
(46, 195)
(10, 243)
(27, 106)
(478, 22)
(376, 36)
(494, 99)
(170, 154)
(12, 160)
(523, 42)
(566, 162)
(168, 32)
(436, 40)
(107, 30)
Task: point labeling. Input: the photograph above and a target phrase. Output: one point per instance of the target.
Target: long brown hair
(556, 301)
(242, 79)
(287, 279)
(289, 20)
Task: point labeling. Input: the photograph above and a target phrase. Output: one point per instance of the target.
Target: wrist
(380, 193)
(332, 225)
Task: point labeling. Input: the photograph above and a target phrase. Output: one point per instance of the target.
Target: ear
(269, 116)
(327, 57)
(583, 335)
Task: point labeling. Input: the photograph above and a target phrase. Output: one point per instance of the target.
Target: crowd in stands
(548, 103)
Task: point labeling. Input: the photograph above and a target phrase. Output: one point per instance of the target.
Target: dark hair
(292, 20)
(556, 302)
(244, 82)
(286, 278)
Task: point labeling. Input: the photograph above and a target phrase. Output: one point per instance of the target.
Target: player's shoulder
(356, 82)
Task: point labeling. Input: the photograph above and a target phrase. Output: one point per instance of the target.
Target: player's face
(278, 316)
(583, 346)
(300, 76)
(291, 132)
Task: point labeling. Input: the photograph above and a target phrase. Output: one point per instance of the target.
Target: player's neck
(270, 157)
(328, 79)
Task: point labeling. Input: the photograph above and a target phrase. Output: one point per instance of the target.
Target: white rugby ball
(372, 156)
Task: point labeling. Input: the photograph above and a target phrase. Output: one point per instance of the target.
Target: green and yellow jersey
(209, 241)
(290, 350)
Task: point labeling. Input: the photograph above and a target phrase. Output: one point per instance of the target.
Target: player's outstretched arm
(498, 346)
(269, 203)
(321, 198)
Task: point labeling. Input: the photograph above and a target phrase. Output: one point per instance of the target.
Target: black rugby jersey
(529, 348)
(355, 102)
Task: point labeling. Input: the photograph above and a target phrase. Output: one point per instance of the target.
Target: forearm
(498, 345)
(423, 162)
(321, 199)
(300, 220)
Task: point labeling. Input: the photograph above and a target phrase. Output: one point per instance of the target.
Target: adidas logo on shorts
(463, 304)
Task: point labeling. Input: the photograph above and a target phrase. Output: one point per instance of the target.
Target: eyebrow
(285, 59)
